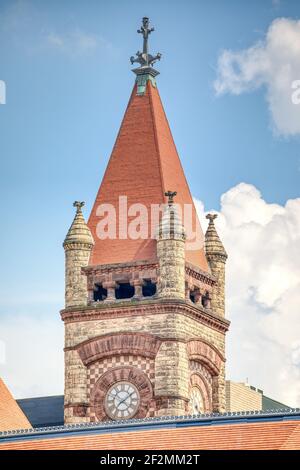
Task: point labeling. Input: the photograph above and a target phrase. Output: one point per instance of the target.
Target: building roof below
(11, 415)
(246, 430)
(43, 411)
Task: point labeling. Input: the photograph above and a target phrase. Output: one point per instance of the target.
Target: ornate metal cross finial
(145, 31)
(78, 205)
(144, 58)
(211, 217)
(170, 195)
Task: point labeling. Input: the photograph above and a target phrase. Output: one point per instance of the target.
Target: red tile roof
(143, 165)
(11, 415)
(256, 435)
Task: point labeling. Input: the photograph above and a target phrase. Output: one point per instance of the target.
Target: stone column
(138, 288)
(172, 379)
(187, 290)
(91, 295)
(171, 254)
(75, 397)
(198, 297)
(111, 290)
(218, 392)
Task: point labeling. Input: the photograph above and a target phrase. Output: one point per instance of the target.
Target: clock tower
(144, 288)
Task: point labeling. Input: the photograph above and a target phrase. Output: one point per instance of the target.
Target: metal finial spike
(144, 58)
(145, 31)
(170, 195)
(211, 217)
(78, 205)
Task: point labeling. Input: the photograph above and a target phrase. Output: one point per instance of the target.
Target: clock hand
(126, 398)
(114, 396)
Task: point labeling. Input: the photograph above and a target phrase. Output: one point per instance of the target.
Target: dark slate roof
(43, 411)
(270, 404)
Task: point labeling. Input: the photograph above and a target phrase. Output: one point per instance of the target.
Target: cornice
(101, 311)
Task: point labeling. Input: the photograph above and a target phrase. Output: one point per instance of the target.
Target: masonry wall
(240, 397)
(172, 365)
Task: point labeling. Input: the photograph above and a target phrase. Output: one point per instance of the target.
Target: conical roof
(144, 164)
(213, 244)
(79, 231)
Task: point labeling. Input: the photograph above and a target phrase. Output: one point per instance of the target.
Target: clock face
(122, 401)
(196, 401)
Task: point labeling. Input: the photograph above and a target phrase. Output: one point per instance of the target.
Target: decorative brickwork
(134, 375)
(118, 344)
(207, 354)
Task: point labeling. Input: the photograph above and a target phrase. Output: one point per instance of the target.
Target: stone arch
(136, 344)
(119, 374)
(207, 354)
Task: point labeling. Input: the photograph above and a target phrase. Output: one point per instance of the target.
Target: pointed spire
(213, 244)
(79, 231)
(144, 164)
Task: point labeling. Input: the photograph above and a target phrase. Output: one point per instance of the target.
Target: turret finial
(211, 217)
(170, 195)
(145, 59)
(78, 205)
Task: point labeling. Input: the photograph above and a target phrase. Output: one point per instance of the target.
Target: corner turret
(78, 245)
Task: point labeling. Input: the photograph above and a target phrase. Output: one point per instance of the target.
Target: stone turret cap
(171, 225)
(213, 244)
(79, 231)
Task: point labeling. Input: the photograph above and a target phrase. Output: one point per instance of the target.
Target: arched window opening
(124, 291)
(99, 293)
(149, 288)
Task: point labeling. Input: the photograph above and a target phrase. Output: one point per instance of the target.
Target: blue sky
(67, 72)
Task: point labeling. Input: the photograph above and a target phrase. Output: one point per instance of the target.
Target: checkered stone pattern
(97, 369)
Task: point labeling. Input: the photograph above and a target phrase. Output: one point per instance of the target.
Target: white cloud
(31, 30)
(32, 354)
(273, 63)
(263, 290)
(76, 42)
